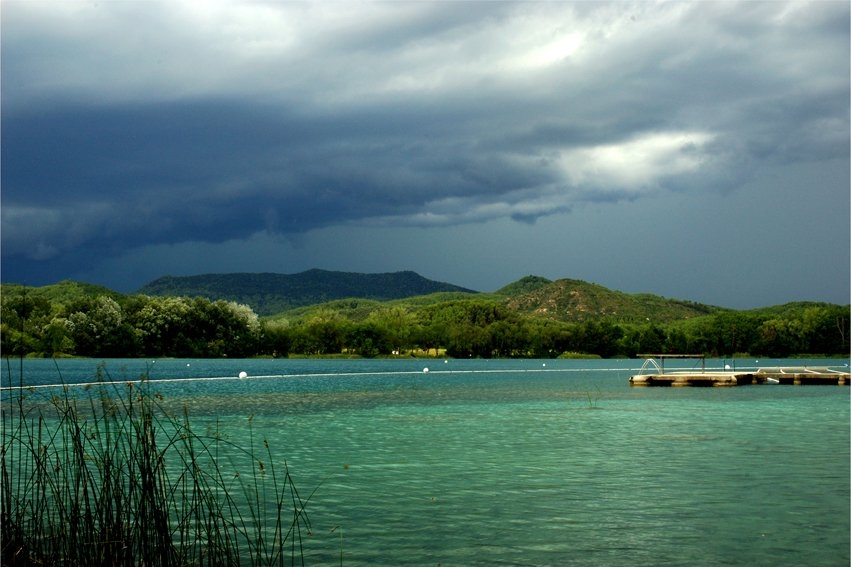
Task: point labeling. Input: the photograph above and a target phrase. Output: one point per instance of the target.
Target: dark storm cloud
(214, 171)
(136, 124)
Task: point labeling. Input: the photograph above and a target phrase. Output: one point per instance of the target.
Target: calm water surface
(529, 462)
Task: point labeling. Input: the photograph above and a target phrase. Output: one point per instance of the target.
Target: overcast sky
(697, 150)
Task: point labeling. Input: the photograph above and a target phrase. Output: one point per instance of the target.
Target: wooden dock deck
(713, 379)
(803, 375)
(796, 375)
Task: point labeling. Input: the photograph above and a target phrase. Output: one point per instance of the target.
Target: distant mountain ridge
(355, 295)
(270, 293)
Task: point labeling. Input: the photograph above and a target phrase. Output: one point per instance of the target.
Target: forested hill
(576, 301)
(269, 293)
(532, 318)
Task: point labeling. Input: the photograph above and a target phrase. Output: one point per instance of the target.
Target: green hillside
(524, 285)
(59, 294)
(354, 309)
(269, 293)
(576, 301)
(564, 300)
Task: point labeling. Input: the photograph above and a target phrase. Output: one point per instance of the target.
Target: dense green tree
(466, 340)
(18, 343)
(56, 339)
(22, 317)
(548, 339)
(653, 339)
(179, 326)
(369, 339)
(507, 338)
(677, 342)
(274, 339)
(427, 336)
(600, 337)
(161, 327)
(630, 343)
(97, 327)
(323, 333)
(826, 329)
(778, 338)
(734, 333)
(398, 326)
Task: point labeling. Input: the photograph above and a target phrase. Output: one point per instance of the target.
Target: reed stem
(109, 477)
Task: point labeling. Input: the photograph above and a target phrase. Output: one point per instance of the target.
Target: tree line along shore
(125, 326)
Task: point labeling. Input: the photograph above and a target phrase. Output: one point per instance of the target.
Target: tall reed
(110, 477)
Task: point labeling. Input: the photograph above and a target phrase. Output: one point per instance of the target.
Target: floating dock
(802, 375)
(796, 375)
(693, 379)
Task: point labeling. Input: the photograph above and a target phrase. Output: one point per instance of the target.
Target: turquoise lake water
(529, 462)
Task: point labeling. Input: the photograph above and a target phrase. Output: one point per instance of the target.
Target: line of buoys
(244, 375)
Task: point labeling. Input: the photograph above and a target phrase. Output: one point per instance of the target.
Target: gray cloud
(137, 124)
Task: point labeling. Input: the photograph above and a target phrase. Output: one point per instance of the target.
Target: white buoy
(243, 374)
(425, 370)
